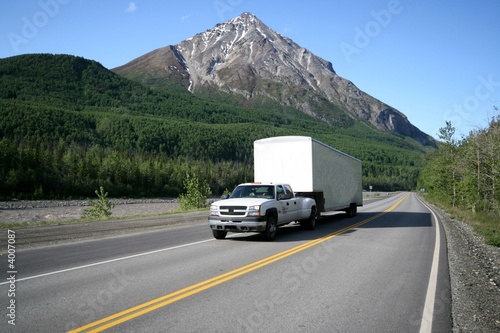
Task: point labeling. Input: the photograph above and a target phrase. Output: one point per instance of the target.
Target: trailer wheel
(352, 210)
(271, 228)
(219, 234)
(310, 223)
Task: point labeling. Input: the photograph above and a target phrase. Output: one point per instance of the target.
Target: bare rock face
(243, 56)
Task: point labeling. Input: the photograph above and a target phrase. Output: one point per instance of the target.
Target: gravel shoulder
(474, 278)
(474, 267)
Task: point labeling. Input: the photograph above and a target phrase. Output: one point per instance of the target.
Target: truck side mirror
(284, 196)
(224, 196)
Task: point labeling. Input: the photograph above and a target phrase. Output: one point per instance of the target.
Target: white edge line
(430, 298)
(109, 261)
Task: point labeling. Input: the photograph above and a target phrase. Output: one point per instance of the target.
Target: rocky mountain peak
(244, 48)
(245, 19)
(246, 22)
(243, 56)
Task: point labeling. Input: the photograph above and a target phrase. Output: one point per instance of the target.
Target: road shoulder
(474, 277)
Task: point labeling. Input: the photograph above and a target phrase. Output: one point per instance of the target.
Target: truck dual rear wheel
(310, 223)
(271, 228)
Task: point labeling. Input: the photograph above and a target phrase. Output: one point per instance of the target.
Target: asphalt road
(384, 270)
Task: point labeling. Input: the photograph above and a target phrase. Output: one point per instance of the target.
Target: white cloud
(132, 7)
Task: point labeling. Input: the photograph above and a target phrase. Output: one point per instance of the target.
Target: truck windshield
(251, 191)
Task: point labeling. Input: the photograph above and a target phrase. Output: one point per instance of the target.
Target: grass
(484, 224)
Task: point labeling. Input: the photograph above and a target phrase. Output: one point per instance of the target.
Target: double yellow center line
(139, 310)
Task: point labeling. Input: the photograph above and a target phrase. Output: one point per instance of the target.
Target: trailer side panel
(312, 168)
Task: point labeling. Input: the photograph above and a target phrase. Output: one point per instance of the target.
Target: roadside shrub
(196, 193)
(100, 207)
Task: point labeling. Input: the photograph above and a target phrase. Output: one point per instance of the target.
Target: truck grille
(233, 210)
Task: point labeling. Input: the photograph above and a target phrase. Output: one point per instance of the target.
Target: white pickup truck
(260, 207)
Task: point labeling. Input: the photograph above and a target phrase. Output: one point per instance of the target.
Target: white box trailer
(313, 169)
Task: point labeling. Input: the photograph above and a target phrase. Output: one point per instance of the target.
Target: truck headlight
(214, 210)
(254, 210)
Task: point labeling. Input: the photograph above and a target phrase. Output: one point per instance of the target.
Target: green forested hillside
(68, 125)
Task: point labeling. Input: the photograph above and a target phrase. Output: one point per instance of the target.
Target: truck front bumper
(238, 224)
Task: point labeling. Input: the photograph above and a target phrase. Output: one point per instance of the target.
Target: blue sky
(432, 60)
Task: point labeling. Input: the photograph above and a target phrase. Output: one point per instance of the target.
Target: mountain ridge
(246, 58)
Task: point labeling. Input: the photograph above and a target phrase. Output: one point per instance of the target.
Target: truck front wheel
(271, 228)
(219, 234)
